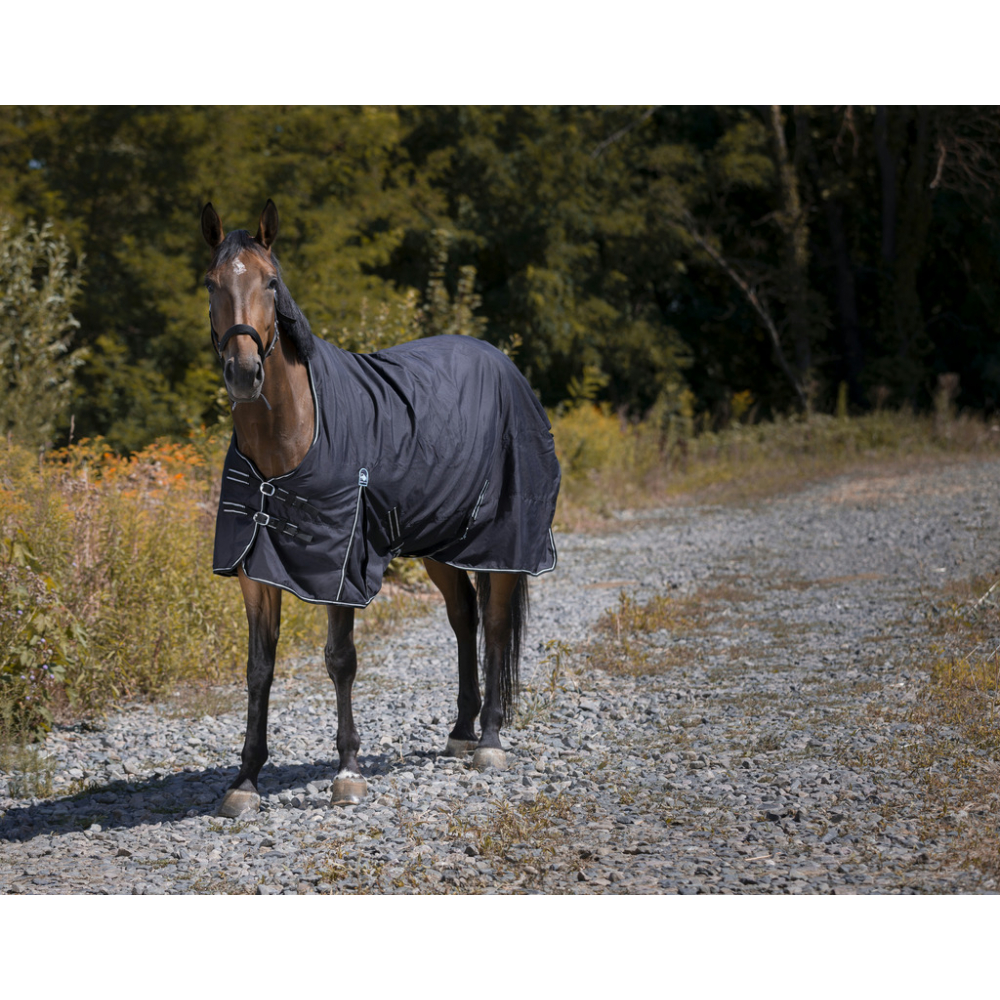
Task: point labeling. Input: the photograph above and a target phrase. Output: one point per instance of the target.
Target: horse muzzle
(243, 373)
(244, 378)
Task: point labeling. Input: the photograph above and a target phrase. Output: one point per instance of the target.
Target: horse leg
(502, 607)
(263, 607)
(349, 787)
(460, 601)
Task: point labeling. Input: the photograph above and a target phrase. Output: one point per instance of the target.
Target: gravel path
(759, 763)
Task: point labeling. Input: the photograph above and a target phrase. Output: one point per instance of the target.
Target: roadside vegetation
(712, 303)
(610, 463)
(106, 590)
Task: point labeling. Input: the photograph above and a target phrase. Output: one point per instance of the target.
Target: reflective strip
(479, 502)
(394, 524)
(475, 510)
(350, 541)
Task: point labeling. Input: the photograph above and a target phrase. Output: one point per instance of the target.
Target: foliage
(37, 289)
(36, 638)
(962, 697)
(714, 251)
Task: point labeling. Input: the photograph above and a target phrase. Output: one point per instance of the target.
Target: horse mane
(293, 323)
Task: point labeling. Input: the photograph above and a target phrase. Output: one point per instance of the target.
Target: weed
(104, 591)
(222, 885)
(552, 675)
(194, 701)
(765, 744)
(536, 824)
(345, 862)
(31, 772)
(956, 760)
(230, 828)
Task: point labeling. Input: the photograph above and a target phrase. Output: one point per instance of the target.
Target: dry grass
(635, 638)
(963, 699)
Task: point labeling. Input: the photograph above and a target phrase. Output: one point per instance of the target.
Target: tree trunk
(887, 172)
(903, 140)
(795, 267)
(846, 292)
(914, 224)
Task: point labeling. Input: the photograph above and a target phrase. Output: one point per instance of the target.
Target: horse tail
(510, 662)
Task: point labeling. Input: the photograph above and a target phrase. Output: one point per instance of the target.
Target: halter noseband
(244, 329)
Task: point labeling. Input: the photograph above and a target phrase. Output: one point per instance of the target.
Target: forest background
(706, 263)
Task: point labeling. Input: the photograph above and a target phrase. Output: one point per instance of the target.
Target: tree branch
(758, 306)
(615, 136)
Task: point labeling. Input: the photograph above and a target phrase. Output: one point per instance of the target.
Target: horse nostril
(259, 375)
(228, 369)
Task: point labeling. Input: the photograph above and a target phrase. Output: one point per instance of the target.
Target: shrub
(37, 289)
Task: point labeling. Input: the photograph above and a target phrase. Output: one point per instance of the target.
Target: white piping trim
(490, 569)
(308, 600)
(350, 542)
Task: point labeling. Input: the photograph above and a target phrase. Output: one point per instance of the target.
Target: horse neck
(277, 439)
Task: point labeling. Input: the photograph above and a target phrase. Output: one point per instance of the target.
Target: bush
(37, 289)
(609, 463)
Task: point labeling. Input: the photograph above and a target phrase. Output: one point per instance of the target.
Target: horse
(340, 462)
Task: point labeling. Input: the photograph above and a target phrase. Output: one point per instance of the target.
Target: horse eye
(272, 284)
(210, 285)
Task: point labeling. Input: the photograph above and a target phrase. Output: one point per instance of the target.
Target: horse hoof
(489, 757)
(459, 748)
(348, 790)
(237, 802)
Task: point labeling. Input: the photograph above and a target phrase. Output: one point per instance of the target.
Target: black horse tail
(510, 663)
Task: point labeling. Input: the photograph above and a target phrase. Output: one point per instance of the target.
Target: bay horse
(339, 462)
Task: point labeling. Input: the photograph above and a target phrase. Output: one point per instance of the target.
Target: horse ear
(267, 230)
(211, 226)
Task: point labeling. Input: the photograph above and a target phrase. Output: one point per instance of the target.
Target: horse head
(243, 281)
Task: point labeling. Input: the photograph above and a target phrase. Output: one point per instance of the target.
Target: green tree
(559, 239)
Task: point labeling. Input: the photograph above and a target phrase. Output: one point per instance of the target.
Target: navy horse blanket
(434, 448)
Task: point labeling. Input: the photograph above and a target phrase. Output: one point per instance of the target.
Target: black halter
(247, 330)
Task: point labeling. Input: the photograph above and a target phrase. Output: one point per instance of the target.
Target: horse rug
(435, 448)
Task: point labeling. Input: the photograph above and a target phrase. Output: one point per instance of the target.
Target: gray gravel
(751, 767)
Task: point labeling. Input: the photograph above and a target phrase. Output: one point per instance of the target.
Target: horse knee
(341, 660)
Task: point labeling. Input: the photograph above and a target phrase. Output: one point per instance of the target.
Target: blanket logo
(362, 477)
